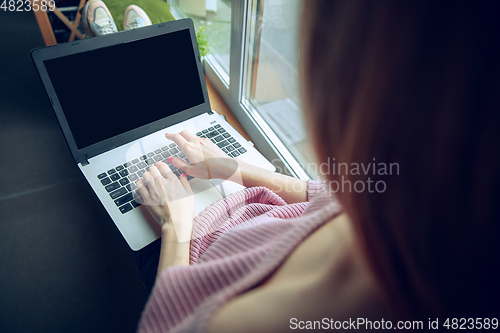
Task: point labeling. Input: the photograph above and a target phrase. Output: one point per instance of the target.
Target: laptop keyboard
(119, 182)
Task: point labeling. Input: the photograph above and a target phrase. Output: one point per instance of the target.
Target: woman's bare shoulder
(322, 278)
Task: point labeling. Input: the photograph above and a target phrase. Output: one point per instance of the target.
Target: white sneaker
(97, 19)
(135, 17)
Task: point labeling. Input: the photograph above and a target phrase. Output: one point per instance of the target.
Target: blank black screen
(112, 90)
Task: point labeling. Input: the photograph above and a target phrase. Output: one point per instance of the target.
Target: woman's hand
(208, 161)
(170, 200)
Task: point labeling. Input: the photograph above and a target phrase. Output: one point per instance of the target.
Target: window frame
(231, 89)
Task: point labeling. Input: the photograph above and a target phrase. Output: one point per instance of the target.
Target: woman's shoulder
(324, 277)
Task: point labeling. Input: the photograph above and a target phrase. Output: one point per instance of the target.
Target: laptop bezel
(40, 55)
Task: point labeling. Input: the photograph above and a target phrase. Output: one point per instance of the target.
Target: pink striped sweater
(237, 243)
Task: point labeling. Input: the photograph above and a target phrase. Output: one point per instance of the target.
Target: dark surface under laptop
(64, 268)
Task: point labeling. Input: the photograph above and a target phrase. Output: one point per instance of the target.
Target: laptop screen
(109, 91)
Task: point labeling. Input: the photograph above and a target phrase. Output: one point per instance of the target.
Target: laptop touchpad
(205, 193)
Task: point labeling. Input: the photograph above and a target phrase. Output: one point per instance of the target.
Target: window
(271, 84)
(253, 63)
(215, 17)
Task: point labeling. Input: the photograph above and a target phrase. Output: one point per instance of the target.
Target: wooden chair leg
(77, 19)
(45, 28)
(67, 22)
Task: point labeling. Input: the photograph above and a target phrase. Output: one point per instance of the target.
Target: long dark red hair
(415, 83)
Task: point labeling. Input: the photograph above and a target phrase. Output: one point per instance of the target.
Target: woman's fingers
(188, 143)
(178, 139)
(199, 151)
(189, 136)
(185, 184)
(179, 163)
(155, 173)
(142, 189)
(147, 178)
(165, 170)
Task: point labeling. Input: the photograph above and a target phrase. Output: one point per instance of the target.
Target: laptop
(133, 87)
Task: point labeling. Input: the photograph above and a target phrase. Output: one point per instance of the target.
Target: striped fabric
(237, 243)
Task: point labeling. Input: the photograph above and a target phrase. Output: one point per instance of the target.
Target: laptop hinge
(210, 112)
(84, 163)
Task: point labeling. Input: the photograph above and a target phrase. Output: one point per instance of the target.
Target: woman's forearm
(172, 253)
(291, 189)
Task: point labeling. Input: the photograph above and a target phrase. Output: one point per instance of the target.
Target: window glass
(271, 83)
(215, 17)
